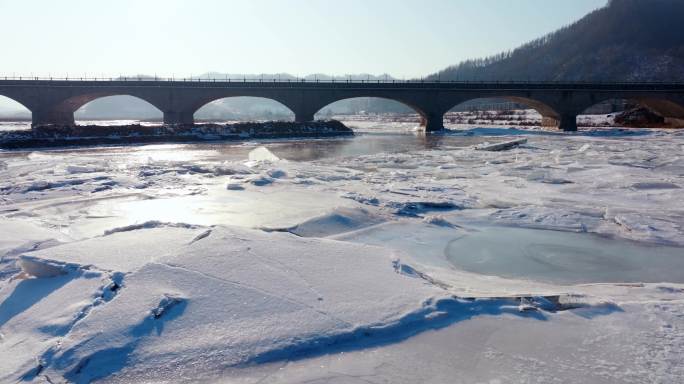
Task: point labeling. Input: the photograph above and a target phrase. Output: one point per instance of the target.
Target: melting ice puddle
(532, 254)
(564, 257)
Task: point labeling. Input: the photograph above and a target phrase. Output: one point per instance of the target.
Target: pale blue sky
(405, 38)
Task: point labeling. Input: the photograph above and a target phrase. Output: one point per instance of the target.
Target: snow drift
(206, 299)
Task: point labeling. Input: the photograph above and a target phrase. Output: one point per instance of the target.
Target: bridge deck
(345, 84)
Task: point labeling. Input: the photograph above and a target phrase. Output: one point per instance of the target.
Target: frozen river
(513, 252)
(360, 255)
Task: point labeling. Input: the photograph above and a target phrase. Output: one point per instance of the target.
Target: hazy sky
(405, 38)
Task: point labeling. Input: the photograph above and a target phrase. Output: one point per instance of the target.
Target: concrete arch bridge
(55, 101)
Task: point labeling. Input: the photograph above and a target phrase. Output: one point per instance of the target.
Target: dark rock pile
(55, 136)
(640, 118)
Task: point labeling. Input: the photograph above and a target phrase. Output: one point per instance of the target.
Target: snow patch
(262, 154)
(438, 220)
(503, 146)
(338, 221)
(76, 169)
(273, 301)
(41, 268)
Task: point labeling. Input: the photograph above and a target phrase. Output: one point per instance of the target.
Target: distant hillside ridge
(628, 41)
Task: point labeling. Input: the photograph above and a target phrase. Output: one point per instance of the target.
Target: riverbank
(61, 136)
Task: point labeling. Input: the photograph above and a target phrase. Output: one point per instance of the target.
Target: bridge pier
(304, 117)
(432, 122)
(568, 122)
(179, 118)
(52, 117)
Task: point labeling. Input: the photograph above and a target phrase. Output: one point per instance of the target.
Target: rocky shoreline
(61, 136)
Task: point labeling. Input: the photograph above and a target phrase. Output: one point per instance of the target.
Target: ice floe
(228, 297)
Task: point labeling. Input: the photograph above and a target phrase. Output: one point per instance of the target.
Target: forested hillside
(628, 40)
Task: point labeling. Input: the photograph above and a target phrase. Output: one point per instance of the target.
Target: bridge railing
(314, 80)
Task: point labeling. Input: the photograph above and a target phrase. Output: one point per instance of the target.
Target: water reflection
(387, 138)
(360, 145)
(278, 208)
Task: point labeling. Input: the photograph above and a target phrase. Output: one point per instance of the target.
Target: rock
(234, 187)
(640, 118)
(55, 136)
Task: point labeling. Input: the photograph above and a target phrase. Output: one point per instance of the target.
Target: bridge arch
(353, 105)
(10, 103)
(61, 111)
(243, 108)
(113, 107)
(396, 103)
(14, 110)
(670, 108)
(550, 116)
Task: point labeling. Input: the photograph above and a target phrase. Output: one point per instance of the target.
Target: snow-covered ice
(238, 299)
